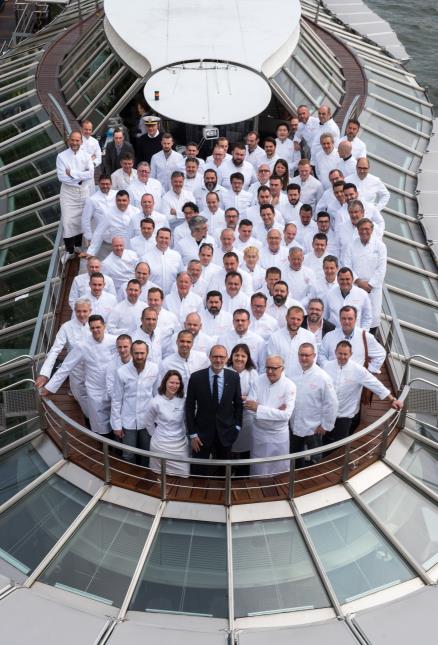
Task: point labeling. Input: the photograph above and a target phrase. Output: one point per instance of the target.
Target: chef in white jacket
(348, 379)
(316, 408)
(70, 334)
(185, 360)
(288, 339)
(95, 354)
(134, 387)
(366, 256)
(272, 411)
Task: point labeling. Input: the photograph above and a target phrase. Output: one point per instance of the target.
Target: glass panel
(17, 469)
(30, 528)
(186, 570)
(415, 312)
(419, 343)
(19, 279)
(387, 150)
(273, 571)
(33, 194)
(111, 96)
(33, 219)
(399, 115)
(22, 250)
(29, 145)
(411, 104)
(9, 93)
(16, 344)
(414, 282)
(24, 308)
(390, 82)
(90, 93)
(100, 559)
(422, 463)
(19, 125)
(13, 78)
(408, 515)
(95, 62)
(400, 203)
(18, 106)
(396, 132)
(419, 258)
(358, 560)
(31, 169)
(397, 225)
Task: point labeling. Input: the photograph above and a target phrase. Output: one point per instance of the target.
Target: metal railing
(102, 457)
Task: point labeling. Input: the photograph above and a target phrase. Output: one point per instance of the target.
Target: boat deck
(87, 453)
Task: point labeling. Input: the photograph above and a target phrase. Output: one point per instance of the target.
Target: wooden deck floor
(86, 453)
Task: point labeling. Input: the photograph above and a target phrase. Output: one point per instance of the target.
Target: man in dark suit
(213, 410)
(114, 151)
(315, 322)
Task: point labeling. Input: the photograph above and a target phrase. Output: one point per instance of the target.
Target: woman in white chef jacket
(165, 423)
(241, 362)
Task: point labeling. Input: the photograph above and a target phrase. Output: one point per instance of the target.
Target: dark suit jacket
(201, 418)
(111, 160)
(326, 326)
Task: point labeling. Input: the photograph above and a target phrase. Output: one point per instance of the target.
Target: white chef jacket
(188, 247)
(228, 168)
(103, 305)
(305, 232)
(132, 393)
(239, 301)
(376, 352)
(91, 146)
(255, 343)
(348, 382)
(155, 349)
(120, 269)
(241, 201)
(96, 208)
(162, 167)
(357, 298)
(251, 241)
(201, 342)
(264, 326)
(114, 223)
(110, 374)
(182, 306)
(311, 261)
(121, 180)
(372, 189)
(358, 147)
(332, 243)
(311, 190)
(95, 357)
(81, 286)
(370, 211)
(285, 150)
(281, 343)
(125, 317)
(165, 266)
(316, 403)
(215, 221)
(69, 335)
(142, 246)
(159, 219)
(185, 366)
(171, 199)
(279, 312)
(329, 127)
(137, 189)
(80, 164)
(269, 259)
(299, 282)
(257, 276)
(214, 326)
(217, 282)
(320, 289)
(270, 434)
(324, 163)
(167, 324)
(291, 213)
(307, 131)
(254, 156)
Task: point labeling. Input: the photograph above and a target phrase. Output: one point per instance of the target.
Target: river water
(416, 25)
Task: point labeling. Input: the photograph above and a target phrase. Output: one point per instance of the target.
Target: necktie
(215, 391)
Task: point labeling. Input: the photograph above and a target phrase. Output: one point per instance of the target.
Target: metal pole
(345, 465)
(64, 440)
(292, 479)
(384, 441)
(230, 576)
(228, 485)
(316, 560)
(393, 541)
(163, 480)
(106, 464)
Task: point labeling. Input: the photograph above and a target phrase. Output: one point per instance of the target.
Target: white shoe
(66, 256)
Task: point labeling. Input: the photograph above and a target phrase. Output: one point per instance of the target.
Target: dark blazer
(111, 160)
(326, 326)
(201, 418)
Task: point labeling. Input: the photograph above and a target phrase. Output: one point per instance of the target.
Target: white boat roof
(167, 33)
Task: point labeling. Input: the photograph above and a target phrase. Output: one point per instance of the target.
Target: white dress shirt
(132, 393)
(316, 402)
(348, 382)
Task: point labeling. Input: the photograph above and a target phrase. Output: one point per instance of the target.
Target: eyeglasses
(270, 368)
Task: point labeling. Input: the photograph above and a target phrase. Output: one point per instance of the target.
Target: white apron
(72, 201)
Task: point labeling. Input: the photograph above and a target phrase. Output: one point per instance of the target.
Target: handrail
(416, 357)
(387, 417)
(350, 111)
(65, 121)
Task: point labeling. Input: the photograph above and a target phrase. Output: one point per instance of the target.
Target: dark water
(416, 25)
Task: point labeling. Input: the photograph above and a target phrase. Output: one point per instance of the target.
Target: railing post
(163, 480)
(64, 440)
(384, 441)
(228, 485)
(106, 464)
(346, 465)
(291, 490)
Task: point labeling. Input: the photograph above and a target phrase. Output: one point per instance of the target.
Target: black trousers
(217, 451)
(72, 242)
(341, 430)
(297, 444)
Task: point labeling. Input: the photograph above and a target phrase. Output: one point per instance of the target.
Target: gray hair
(82, 301)
(197, 220)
